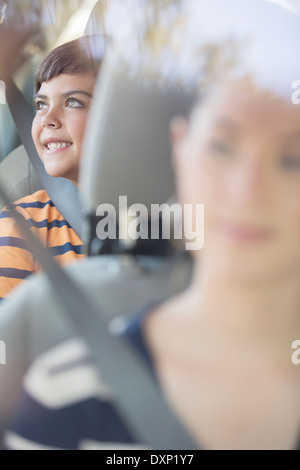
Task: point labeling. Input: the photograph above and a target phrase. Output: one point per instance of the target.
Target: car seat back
(18, 176)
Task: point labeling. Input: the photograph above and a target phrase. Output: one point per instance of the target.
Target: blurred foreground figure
(221, 350)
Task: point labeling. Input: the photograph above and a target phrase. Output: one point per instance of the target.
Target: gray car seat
(18, 176)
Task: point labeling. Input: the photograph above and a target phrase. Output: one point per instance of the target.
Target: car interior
(156, 266)
(128, 119)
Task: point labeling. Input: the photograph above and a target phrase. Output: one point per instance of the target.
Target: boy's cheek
(35, 130)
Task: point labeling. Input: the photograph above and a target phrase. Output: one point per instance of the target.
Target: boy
(64, 85)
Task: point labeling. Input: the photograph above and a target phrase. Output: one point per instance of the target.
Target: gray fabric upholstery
(18, 176)
(117, 288)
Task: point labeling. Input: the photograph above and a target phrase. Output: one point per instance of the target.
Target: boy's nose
(51, 121)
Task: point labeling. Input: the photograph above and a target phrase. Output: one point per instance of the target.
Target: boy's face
(62, 106)
(240, 156)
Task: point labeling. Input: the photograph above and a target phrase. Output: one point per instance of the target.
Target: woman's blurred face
(240, 156)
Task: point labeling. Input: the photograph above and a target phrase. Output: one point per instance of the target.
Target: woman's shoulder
(133, 328)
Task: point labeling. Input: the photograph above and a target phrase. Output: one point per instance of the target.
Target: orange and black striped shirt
(16, 260)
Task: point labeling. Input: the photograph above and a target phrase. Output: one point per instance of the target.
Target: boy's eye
(291, 162)
(40, 105)
(73, 103)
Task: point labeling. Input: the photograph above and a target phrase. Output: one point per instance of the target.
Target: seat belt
(64, 195)
(148, 415)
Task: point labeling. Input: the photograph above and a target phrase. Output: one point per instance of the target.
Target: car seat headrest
(127, 149)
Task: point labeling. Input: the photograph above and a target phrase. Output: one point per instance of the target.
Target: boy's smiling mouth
(54, 144)
(57, 145)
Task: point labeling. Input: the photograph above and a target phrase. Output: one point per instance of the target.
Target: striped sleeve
(16, 260)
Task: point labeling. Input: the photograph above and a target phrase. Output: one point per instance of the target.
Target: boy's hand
(15, 33)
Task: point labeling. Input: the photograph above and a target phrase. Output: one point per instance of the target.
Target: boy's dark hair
(78, 56)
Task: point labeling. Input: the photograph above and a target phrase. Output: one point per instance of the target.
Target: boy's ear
(178, 132)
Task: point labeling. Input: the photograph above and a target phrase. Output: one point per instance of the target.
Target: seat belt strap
(146, 412)
(64, 195)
